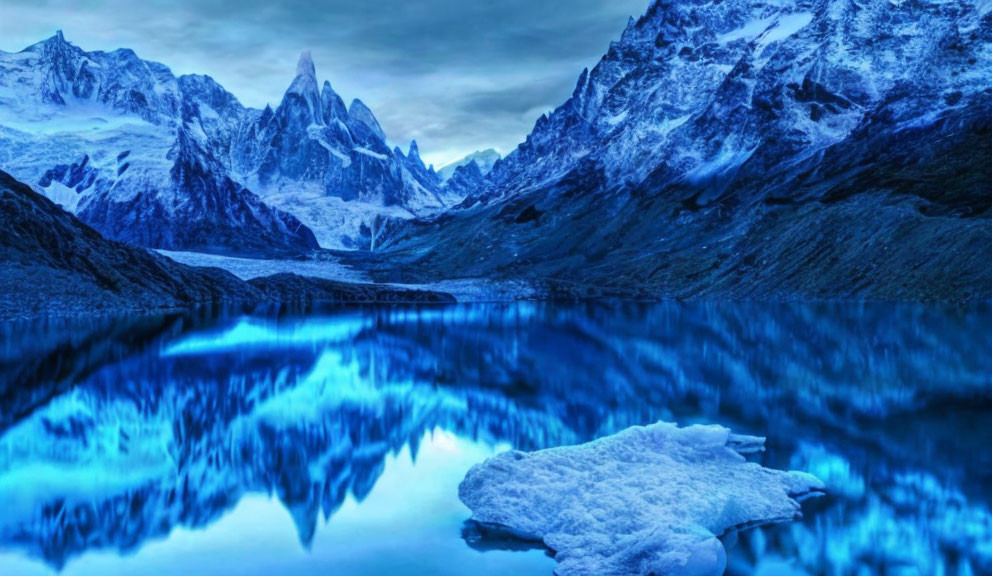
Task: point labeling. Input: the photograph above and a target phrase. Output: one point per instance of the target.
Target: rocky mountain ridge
(748, 148)
(114, 138)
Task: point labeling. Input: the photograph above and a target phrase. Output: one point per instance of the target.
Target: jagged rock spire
(332, 105)
(305, 67)
(360, 113)
(304, 86)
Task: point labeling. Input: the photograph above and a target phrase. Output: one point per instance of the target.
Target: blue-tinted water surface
(335, 442)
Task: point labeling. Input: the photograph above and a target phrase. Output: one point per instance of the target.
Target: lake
(219, 442)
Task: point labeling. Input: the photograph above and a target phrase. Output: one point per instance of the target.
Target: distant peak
(305, 86)
(357, 106)
(305, 65)
(332, 105)
(54, 46)
(581, 84)
(414, 150)
(359, 112)
(481, 161)
(267, 114)
(629, 30)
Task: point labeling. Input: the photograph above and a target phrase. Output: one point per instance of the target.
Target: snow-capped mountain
(123, 143)
(483, 159)
(467, 183)
(178, 163)
(705, 88)
(331, 165)
(743, 147)
(465, 179)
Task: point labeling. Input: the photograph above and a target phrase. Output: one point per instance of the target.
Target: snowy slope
(330, 165)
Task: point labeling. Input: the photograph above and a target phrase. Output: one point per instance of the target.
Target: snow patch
(62, 195)
(747, 32)
(368, 152)
(787, 26)
(649, 500)
(768, 30)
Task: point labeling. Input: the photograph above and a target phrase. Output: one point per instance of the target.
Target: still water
(334, 442)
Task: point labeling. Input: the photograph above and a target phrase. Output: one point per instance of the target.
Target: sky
(456, 75)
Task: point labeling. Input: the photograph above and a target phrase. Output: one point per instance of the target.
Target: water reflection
(176, 430)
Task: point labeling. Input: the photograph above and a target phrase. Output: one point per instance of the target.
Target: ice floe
(649, 500)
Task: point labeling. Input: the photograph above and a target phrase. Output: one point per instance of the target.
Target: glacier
(648, 500)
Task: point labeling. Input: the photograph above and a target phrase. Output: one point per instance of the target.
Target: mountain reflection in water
(120, 434)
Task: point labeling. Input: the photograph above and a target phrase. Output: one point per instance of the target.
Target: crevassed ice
(649, 500)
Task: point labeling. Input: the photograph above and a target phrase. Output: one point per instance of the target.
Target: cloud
(455, 75)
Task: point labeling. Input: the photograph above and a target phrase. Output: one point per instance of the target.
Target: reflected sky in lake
(215, 443)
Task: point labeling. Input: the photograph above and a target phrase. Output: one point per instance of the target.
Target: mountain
(467, 183)
(122, 143)
(465, 179)
(51, 264)
(483, 159)
(50, 260)
(749, 148)
(331, 165)
(178, 163)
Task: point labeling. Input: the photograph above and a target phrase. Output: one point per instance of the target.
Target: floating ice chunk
(648, 500)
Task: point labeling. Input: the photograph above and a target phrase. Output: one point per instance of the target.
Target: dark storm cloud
(457, 75)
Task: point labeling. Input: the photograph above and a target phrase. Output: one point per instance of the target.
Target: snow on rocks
(649, 500)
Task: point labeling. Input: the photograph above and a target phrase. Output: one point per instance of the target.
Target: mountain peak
(304, 87)
(53, 44)
(305, 67)
(483, 160)
(357, 106)
(305, 82)
(361, 113)
(414, 150)
(332, 105)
